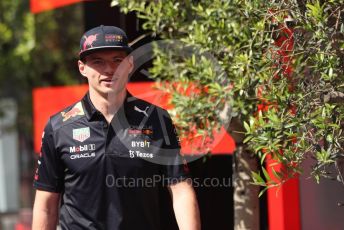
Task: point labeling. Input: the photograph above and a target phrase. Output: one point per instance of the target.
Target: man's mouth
(109, 80)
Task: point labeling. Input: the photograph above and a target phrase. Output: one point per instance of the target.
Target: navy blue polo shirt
(109, 175)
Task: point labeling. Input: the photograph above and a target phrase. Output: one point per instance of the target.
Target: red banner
(38, 6)
(60, 97)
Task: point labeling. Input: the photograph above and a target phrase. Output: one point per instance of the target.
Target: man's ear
(131, 63)
(82, 68)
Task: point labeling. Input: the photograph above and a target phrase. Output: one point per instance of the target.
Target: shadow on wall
(212, 181)
(319, 202)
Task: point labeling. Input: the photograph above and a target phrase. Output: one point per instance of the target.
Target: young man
(105, 158)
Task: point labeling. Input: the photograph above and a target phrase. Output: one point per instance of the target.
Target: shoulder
(67, 115)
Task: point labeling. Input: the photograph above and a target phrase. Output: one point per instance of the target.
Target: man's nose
(110, 68)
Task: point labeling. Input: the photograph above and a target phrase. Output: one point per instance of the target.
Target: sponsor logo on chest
(82, 155)
(82, 148)
(82, 151)
(141, 144)
(137, 132)
(81, 134)
(139, 154)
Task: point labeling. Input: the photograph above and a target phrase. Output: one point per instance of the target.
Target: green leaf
(114, 3)
(329, 138)
(317, 178)
(262, 191)
(276, 174)
(266, 174)
(258, 179)
(247, 139)
(330, 73)
(247, 127)
(262, 159)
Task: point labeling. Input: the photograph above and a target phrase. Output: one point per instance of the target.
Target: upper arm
(50, 170)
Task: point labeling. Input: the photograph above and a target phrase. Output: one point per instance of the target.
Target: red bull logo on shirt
(144, 131)
(77, 110)
(147, 131)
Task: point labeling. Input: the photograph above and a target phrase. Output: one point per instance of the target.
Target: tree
(278, 91)
(33, 49)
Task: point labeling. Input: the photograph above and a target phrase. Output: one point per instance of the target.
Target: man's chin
(115, 91)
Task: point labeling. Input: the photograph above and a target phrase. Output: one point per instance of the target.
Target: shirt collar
(91, 112)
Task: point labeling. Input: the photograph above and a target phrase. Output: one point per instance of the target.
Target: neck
(108, 104)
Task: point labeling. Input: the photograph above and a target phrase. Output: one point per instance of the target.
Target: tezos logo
(139, 154)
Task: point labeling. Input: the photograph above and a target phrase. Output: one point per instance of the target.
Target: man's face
(107, 71)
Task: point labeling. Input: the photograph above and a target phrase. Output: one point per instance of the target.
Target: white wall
(9, 170)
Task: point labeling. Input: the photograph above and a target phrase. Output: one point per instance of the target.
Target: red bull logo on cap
(89, 41)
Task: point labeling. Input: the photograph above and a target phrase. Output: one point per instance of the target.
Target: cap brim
(89, 51)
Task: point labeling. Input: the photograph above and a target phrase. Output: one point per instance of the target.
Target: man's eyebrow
(118, 56)
(94, 57)
(113, 57)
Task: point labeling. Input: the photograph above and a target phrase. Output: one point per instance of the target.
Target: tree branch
(233, 125)
(335, 97)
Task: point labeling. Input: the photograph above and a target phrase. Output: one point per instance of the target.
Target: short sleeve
(49, 174)
(175, 168)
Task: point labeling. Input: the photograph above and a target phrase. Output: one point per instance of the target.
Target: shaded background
(50, 42)
(41, 50)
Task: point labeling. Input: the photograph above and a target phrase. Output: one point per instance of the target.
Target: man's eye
(118, 60)
(98, 62)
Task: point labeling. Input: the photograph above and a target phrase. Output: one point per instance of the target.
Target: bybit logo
(141, 144)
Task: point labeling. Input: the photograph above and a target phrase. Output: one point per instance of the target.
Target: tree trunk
(245, 195)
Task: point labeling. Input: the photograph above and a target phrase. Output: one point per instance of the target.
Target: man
(104, 159)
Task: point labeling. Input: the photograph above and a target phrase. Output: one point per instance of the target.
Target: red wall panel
(38, 6)
(48, 101)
